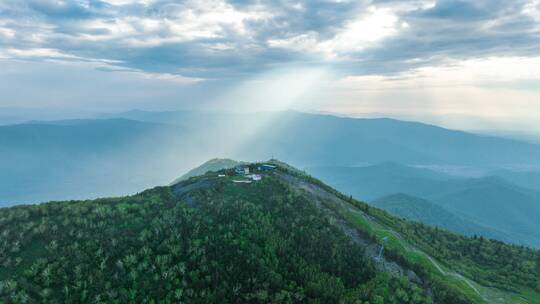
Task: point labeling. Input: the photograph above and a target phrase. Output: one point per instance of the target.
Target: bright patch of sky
(465, 64)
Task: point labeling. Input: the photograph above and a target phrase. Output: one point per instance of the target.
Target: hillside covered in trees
(287, 238)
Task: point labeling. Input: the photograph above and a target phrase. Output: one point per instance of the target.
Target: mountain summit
(256, 234)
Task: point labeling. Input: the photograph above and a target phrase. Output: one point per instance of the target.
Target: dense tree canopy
(232, 243)
(209, 240)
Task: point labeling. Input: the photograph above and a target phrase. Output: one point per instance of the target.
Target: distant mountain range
(423, 211)
(43, 161)
(491, 202)
(497, 203)
(372, 182)
(313, 139)
(527, 179)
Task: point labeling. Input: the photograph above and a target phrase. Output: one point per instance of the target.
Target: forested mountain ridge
(288, 238)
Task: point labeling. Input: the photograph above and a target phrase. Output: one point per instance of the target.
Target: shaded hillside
(496, 203)
(491, 202)
(422, 211)
(287, 238)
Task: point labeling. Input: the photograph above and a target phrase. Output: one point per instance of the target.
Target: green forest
(222, 242)
(260, 244)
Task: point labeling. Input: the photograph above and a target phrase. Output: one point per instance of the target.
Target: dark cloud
(231, 40)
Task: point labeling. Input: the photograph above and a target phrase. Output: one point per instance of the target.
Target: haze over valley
(125, 152)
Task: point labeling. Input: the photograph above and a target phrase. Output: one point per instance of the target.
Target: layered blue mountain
(491, 201)
(43, 161)
(526, 178)
(312, 139)
(423, 211)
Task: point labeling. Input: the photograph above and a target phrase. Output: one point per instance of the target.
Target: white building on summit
(241, 170)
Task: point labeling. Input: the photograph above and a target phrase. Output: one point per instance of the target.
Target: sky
(464, 64)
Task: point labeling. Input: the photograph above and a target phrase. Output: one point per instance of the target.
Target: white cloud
(56, 56)
(532, 9)
(218, 40)
(25, 31)
(376, 25)
(218, 47)
(303, 42)
(371, 27)
(34, 53)
(473, 72)
(179, 23)
(49, 54)
(7, 32)
(463, 94)
(179, 79)
(125, 2)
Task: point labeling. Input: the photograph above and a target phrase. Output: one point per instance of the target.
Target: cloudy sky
(469, 64)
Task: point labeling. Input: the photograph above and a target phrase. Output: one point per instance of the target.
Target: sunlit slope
(286, 238)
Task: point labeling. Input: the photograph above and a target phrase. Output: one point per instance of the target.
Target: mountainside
(420, 210)
(491, 202)
(286, 238)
